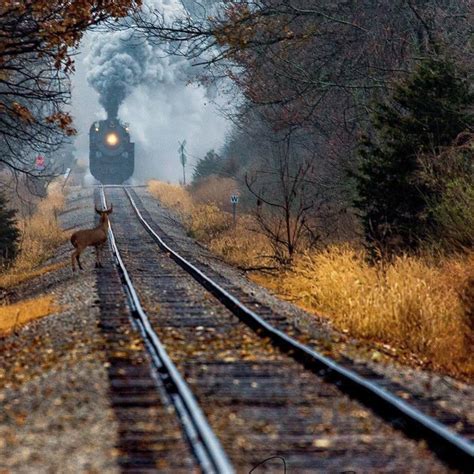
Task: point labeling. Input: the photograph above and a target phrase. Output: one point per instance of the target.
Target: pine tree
(210, 164)
(9, 233)
(424, 114)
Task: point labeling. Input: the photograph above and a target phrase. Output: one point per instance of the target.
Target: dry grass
(412, 303)
(14, 315)
(243, 246)
(40, 236)
(16, 276)
(214, 190)
(207, 222)
(172, 195)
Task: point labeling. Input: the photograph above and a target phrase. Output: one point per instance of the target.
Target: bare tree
(284, 185)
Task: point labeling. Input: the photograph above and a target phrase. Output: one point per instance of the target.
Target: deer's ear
(109, 211)
(97, 210)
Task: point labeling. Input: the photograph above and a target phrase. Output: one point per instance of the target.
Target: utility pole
(183, 159)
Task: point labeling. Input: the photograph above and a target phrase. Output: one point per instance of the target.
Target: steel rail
(205, 445)
(454, 449)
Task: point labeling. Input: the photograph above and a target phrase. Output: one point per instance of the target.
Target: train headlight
(112, 139)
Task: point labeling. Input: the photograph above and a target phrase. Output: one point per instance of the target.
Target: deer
(95, 237)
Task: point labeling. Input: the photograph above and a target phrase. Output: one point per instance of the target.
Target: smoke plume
(117, 65)
(119, 62)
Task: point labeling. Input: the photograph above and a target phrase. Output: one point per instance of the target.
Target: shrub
(214, 190)
(207, 221)
(451, 174)
(41, 233)
(424, 114)
(207, 166)
(454, 215)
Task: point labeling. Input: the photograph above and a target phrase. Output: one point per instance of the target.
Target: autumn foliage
(36, 57)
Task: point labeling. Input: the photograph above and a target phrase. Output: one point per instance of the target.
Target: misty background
(155, 96)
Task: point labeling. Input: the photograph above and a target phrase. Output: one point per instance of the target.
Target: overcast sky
(160, 114)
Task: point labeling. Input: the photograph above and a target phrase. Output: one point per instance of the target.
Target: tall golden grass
(40, 236)
(172, 195)
(412, 303)
(14, 315)
(205, 221)
(420, 304)
(214, 190)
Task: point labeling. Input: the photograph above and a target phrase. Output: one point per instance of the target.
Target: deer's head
(104, 214)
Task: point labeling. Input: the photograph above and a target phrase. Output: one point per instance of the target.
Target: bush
(454, 215)
(424, 114)
(207, 221)
(214, 190)
(207, 166)
(451, 174)
(41, 233)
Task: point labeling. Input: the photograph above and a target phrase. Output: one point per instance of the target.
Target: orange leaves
(64, 121)
(36, 60)
(51, 27)
(239, 28)
(22, 112)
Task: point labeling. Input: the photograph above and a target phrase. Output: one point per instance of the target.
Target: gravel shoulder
(55, 412)
(412, 382)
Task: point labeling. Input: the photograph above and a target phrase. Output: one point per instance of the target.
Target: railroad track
(245, 375)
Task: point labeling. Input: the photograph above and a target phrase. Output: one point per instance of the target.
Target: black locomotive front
(111, 153)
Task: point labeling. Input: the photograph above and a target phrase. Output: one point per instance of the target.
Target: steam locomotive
(111, 153)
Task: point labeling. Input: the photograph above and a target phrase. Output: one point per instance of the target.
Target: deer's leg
(98, 253)
(100, 249)
(73, 260)
(78, 254)
(97, 260)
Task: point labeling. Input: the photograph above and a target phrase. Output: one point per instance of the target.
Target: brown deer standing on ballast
(91, 238)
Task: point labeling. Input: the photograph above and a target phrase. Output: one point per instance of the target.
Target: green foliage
(424, 114)
(455, 214)
(9, 233)
(210, 164)
(452, 174)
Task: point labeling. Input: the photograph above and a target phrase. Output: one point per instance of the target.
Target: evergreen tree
(424, 114)
(210, 164)
(9, 233)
